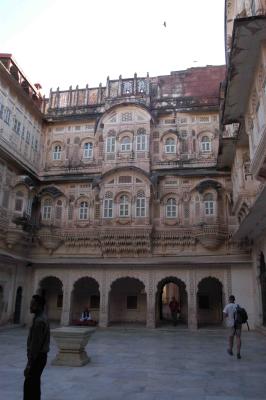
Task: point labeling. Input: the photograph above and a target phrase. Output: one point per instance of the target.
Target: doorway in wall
(51, 289)
(167, 289)
(210, 302)
(262, 278)
(85, 294)
(127, 302)
(17, 311)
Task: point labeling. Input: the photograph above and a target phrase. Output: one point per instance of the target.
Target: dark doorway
(17, 311)
(210, 302)
(166, 290)
(263, 286)
(127, 302)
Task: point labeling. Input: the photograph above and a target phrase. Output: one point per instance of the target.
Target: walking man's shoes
(230, 352)
(238, 356)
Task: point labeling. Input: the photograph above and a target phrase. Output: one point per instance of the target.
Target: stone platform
(71, 342)
(143, 364)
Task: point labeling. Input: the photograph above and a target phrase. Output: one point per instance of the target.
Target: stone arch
(167, 288)
(85, 293)
(210, 299)
(51, 288)
(18, 301)
(127, 301)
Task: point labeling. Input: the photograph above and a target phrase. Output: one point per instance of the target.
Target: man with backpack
(235, 317)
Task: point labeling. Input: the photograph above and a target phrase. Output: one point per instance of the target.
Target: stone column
(65, 315)
(104, 303)
(150, 322)
(192, 302)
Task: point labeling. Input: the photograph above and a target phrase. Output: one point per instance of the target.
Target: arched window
(108, 205)
(58, 209)
(171, 210)
(47, 209)
(110, 144)
(83, 210)
(140, 204)
(125, 144)
(57, 153)
(205, 144)
(123, 206)
(141, 140)
(170, 146)
(209, 204)
(19, 200)
(87, 150)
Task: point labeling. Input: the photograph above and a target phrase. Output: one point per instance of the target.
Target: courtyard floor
(143, 364)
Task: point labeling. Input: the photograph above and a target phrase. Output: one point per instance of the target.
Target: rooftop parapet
(11, 67)
(193, 87)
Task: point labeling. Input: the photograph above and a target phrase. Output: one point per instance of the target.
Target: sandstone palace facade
(121, 196)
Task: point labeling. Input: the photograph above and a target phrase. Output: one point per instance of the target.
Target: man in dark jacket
(37, 348)
(175, 310)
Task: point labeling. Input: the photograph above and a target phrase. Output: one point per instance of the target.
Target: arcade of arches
(141, 299)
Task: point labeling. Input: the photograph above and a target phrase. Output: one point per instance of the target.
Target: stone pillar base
(71, 342)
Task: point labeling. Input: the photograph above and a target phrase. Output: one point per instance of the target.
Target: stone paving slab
(143, 364)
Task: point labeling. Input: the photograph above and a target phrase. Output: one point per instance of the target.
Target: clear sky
(63, 42)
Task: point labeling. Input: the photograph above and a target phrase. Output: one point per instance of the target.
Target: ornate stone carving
(49, 239)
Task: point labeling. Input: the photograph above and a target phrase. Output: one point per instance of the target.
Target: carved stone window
(125, 144)
(87, 150)
(141, 140)
(140, 204)
(19, 200)
(110, 144)
(123, 206)
(127, 87)
(126, 116)
(83, 210)
(125, 179)
(171, 208)
(47, 209)
(209, 204)
(205, 144)
(58, 209)
(57, 153)
(141, 86)
(108, 205)
(170, 146)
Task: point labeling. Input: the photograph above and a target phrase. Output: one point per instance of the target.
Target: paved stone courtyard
(143, 364)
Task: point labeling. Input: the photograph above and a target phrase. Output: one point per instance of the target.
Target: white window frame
(206, 145)
(47, 211)
(170, 148)
(108, 208)
(125, 145)
(57, 153)
(209, 208)
(83, 211)
(209, 204)
(88, 150)
(141, 142)
(141, 207)
(171, 208)
(110, 144)
(124, 206)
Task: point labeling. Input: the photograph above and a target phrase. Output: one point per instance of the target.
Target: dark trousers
(32, 383)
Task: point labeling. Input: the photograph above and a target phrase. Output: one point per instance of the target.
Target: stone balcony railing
(131, 241)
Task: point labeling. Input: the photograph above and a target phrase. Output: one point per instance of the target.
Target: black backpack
(240, 316)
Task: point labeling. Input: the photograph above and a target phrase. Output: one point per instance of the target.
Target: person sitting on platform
(86, 315)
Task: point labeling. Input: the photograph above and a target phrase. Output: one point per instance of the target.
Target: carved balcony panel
(49, 238)
(212, 236)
